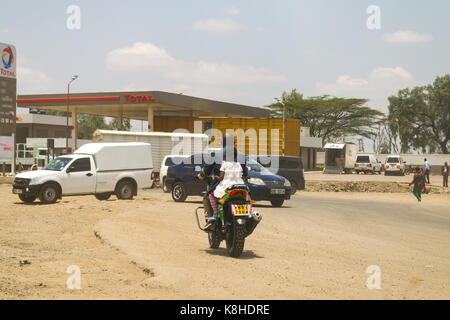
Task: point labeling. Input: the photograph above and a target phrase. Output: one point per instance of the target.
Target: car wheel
(48, 193)
(277, 203)
(27, 198)
(293, 187)
(179, 192)
(124, 190)
(103, 196)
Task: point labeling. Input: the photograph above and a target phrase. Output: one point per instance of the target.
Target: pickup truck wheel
(179, 192)
(27, 198)
(103, 196)
(125, 190)
(277, 203)
(48, 193)
(164, 187)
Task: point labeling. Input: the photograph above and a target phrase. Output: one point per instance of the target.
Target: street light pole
(284, 126)
(67, 113)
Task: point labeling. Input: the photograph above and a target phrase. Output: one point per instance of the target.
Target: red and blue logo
(7, 57)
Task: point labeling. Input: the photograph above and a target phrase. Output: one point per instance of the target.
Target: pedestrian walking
(419, 183)
(427, 167)
(444, 172)
(342, 162)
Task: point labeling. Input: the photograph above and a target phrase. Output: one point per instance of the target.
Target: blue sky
(238, 51)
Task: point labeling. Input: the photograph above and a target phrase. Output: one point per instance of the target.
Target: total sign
(138, 98)
(7, 89)
(8, 61)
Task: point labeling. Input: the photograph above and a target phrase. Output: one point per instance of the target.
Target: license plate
(277, 191)
(240, 210)
(17, 191)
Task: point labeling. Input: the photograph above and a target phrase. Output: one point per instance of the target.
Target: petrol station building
(164, 111)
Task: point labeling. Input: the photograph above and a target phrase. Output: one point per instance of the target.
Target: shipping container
(262, 136)
(163, 143)
(264, 141)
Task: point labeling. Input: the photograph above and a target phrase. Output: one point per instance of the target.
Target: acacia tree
(421, 116)
(328, 117)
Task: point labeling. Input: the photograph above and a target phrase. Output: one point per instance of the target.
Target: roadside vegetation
(418, 119)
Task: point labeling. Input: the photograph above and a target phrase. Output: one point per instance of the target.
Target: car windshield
(255, 166)
(57, 164)
(393, 160)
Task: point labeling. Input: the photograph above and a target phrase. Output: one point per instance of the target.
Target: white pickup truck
(101, 169)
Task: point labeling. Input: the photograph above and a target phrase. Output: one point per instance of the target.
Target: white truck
(101, 169)
(339, 157)
(163, 143)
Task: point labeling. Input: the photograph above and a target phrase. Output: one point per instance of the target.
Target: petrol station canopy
(139, 105)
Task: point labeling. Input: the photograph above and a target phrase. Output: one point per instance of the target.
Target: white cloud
(232, 11)
(376, 86)
(406, 36)
(32, 81)
(139, 56)
(396, 74)
(147, 57)
(217, 25)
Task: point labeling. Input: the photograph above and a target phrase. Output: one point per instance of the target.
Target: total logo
(7, 66)
(7, 57)
(140, 98)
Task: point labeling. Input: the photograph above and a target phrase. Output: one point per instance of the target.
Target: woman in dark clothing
(419, 183)
(445, 175)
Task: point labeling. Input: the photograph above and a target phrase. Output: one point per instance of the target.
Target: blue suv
(264, 185)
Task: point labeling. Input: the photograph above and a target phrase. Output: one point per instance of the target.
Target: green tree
(88, 123)
(328, 117)
(126, 124)
(421, 116)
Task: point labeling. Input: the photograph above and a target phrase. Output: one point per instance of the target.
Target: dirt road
(318, 246)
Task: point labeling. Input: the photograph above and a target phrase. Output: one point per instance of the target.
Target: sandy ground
(318, 246)
(319, 182)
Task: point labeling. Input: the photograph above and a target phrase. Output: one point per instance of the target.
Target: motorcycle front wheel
(214, 239)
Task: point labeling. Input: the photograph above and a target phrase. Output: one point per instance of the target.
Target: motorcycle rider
(228, 169)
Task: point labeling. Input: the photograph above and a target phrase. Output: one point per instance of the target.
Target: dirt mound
(363, 186)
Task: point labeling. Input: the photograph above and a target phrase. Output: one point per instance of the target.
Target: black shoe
(210, 223)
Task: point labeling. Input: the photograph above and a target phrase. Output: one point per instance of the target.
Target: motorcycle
(237, 219)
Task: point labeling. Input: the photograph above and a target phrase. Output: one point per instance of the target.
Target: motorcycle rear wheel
(236, 239)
